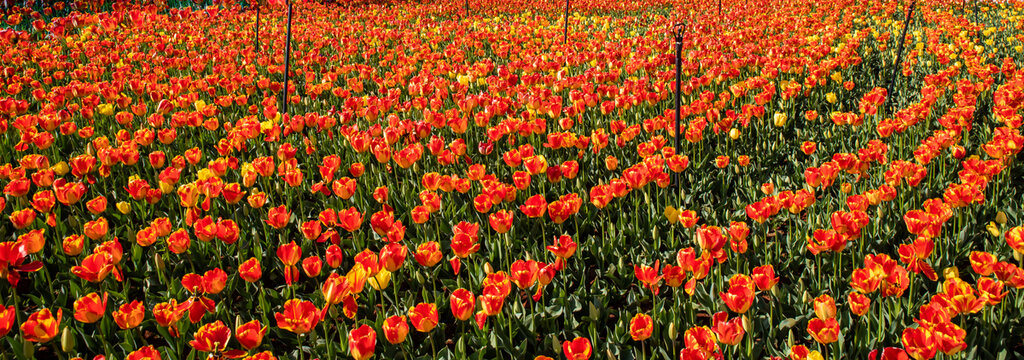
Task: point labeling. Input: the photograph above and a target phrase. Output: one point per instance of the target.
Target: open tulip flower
(494, 179)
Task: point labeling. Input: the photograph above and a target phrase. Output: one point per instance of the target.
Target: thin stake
(899, 53)
(287, 56)
(257, 45)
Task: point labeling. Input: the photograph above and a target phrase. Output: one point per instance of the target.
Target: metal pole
(677, 32)
(287, 56)
(565, 37)
(899, 53)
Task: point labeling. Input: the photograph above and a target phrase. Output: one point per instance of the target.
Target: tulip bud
(160, 266)
(780, 119)
(734, 133)
(846, 188)
(488, 269)
(28, 348)
(747, 325)
(166, 188)
(594, 312)
(951, 272)
(124, 207)
(806, 297)
(60, 168)
(993, 229)
(238, 321)
(67, 340)
(673, 333)
(419, 278)
(1001, 218)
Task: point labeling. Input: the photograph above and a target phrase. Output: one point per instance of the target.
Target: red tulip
(640, 327)
(462, 303)
(129, 315)
(764, 277)
(823, 331)
(577, 349)
(424, 317)
(859, 304)
(90, 308)
(825, 307)
(145, 353)
(211, 338)
(250, 270)
(278, 217)
(361, 342)
(299, 316)
(7, 318)
(41, 326)
(250, 335)
(395, 329)
(729, 332)
(428, 254)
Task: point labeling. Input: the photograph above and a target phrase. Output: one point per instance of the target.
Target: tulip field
(504, 179)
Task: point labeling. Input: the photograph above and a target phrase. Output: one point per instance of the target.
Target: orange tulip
(424, 317)
(462, 303)
(395, 329)
(250, 335)
(729, 332)
(823, 331)
(577, 349)
(167, 315)
(41, 326)
(145, 353)
(299, 316)
(524, 273)
(392, 256)
(428, 254)
(250, 270)
(919, 343)
(739, 298)
(1015, 238)
(311, 266)
(22, 218)
(361, 342)
(701, 339)
(640, 327)
(278, 217)
(825, 307)
(90, 308)
(211, 338)
(764, 277)
(859, 304)
(129, 315)
(648, 276)
(7, 318)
